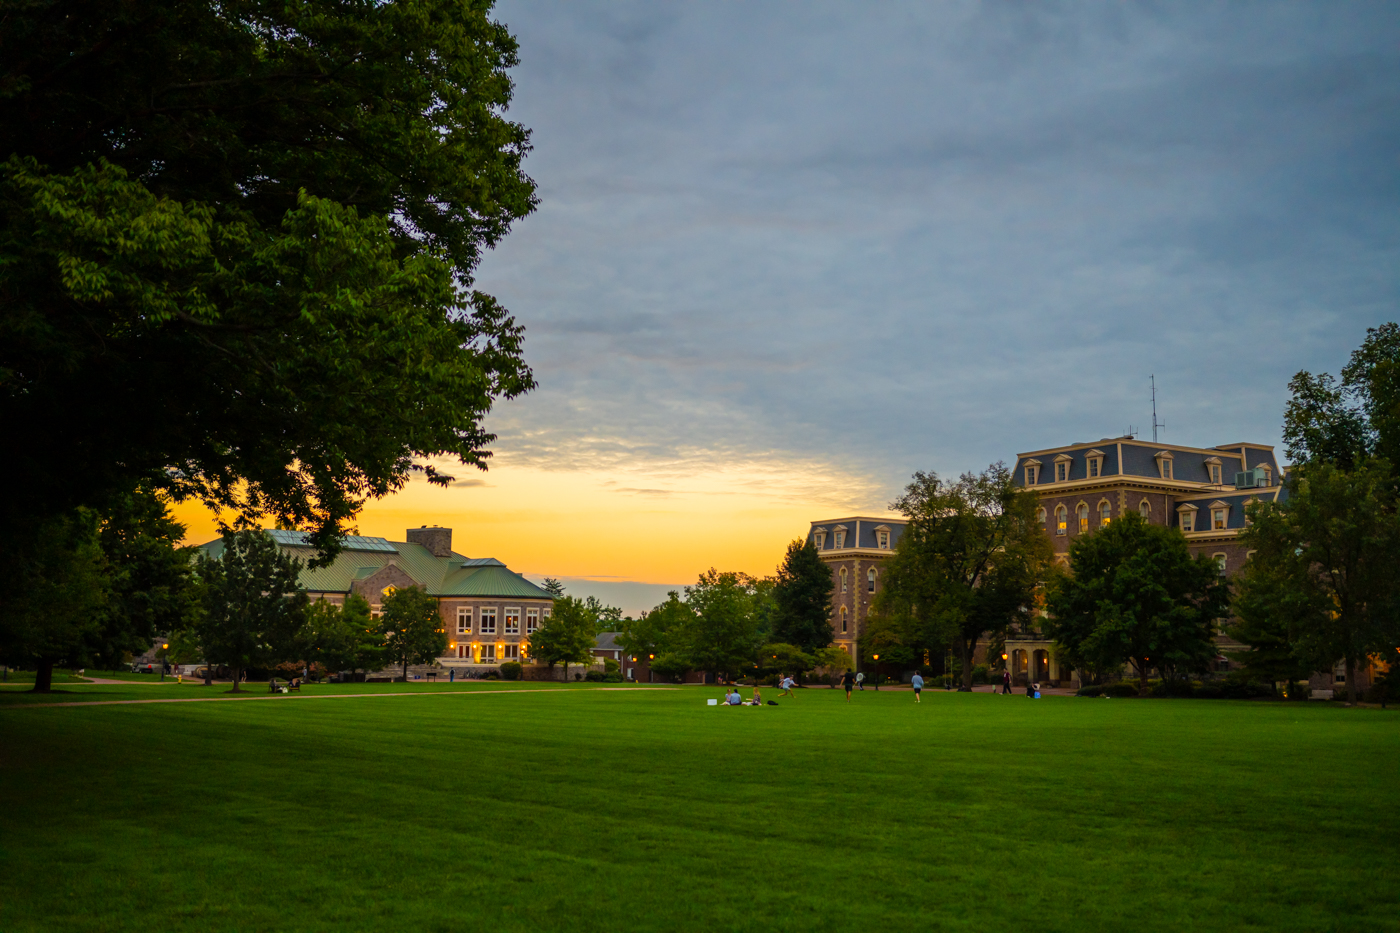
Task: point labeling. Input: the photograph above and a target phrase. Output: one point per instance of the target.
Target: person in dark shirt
(1006, 682)
(848, 681)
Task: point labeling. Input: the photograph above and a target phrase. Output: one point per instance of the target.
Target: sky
(788, 253)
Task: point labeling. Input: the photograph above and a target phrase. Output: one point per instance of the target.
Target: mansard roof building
(855, 549)
(488, 610)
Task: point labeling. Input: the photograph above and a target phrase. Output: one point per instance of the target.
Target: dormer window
(1268, 477)
(1164, 463)
(819, 538)
(882, 537)
(1219, 515)
(1095, 461)
(840, 537)
(1187, 517)
(1062, 465)
(1214, 468)
(1032, 472)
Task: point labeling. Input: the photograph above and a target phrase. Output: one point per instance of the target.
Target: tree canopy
(412, 627)
(968, 563)
(567, 636)
(277, 208)
(802, 596)
(1136, 595)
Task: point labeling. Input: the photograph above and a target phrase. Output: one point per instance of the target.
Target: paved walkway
(315, 696)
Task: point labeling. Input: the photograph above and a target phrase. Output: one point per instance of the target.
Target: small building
(488, 611)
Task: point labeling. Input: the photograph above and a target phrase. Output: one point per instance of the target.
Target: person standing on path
(1006, 683)
(787, 686)
(918, 684)
(848, 681)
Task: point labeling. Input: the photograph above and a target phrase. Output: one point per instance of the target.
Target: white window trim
(511, 612)
(487, 613)
(464, 620)
(1164, 464)
(532, 620)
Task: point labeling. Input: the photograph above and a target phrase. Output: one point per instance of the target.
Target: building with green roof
(488, 610)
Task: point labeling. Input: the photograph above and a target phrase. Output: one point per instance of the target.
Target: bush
(1234, 690)
(578, 676)
(980, 674)
(612, 678)
(594, 677)
(491, 675)
(511, 670)
(1093, 690)
(611, 667)
(1121, 690)
(1182, 689)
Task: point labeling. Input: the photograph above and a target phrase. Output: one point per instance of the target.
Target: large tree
(968, 563)
(1135, 595)
(276, 208)
(253, 603)
(413, 629)
(567, 636)
(803, 598)
(1323, 567)
(1345, 421)
(653, 637)
(722, 636)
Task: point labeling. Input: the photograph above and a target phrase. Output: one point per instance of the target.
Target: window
(1217, 519)
(1105, 513)
(1040, 517)
(1094, 467)
(488, 653)
(840, 539)
(546, 612)
(512, 652)
(882, 540)
(1032, 472)
(843, 620)
(1219, 562)
(843, 579)
(1061, 520)
(870, 580)
(1188, 520)
(1268, 479)
(513, 620)
(488, 622)
(1094, 458)
(464, 619)
(532, 621)
(1061, 471)
(1249, 555)
(1215, 474)
(1164, 463)
(820, 539)
(1145, 510)
(1081, 512)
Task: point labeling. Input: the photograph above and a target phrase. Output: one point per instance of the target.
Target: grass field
(547, 808)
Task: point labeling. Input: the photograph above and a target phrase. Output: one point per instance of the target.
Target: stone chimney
(436, 539)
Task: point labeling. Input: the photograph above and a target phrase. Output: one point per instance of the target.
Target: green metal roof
(481, 577)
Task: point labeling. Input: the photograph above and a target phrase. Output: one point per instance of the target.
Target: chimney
(436, 539)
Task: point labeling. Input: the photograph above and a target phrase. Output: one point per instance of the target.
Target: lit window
(464, 619)
(1105, 513)
(488, 653)
(1217, 519)
(870, 580)
(843, 579)
(1145, 510)
(488, 621)
(1082, 513)
(1061, 520)
(532, 621)
(512, 620)
(512, 652)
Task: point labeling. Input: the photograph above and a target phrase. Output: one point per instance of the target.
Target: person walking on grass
(918, 684)
(1006, 683)
(848, 681)
(787, 686)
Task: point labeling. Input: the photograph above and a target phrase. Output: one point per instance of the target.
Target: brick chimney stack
(436, 539)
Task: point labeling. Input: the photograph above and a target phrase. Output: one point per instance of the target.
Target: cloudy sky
(787, 253)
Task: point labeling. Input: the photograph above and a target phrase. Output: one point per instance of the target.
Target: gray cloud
(892, 237)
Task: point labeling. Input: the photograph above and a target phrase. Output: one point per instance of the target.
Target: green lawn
(545, 808)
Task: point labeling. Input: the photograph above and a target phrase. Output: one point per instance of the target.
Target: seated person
(734, 699)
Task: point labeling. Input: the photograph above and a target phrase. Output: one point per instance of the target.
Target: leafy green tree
(605, 618)
(722, 635)
(780, 658)
(803, 596)
(55, 600)
(1136, 595)
(276, 207)
(412, 626)
(253, 602)
(968, 563)
(655, 633)
(1268, 609)
(1346, 421)
(833, 660)
(553, 586)
(1323, 567)
(567, 636)
(342, 637)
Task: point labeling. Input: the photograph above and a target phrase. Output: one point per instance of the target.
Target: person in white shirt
(787, 686)
(734, 699)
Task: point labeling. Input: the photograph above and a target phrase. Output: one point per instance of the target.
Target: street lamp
(164, 647)
(877, 671)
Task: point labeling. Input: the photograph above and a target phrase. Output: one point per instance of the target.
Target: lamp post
(164, 647)
(877, 670)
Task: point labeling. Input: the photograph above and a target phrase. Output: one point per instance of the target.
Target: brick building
(488, 611)
(855, 549)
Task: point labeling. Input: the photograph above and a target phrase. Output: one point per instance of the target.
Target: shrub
(1121, 690)
(1173, 688)
(1093, 690)
(511, 670)
(980, 674)
(611, 667)
(578, 676)
(612, 678)
(594, 677)
(491, 675)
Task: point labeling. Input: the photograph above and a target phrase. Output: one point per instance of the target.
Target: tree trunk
(566, 672)
(208, 674)
(1351, 681)
(43, 676)
(237, 677)
(965, 647)
(1142, 678)
(405, 670)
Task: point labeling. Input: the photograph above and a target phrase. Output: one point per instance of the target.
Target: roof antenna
(1155, 423)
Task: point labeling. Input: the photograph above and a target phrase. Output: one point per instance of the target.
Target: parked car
(145, 669)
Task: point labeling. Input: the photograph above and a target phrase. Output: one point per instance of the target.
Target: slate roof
(607, 641)
(480, 577)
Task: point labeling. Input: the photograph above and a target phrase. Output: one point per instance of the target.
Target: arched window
(1081, 512)
(1145, 510)
(843, 620)
(1040, 517)
(1220, 562)
(870, 580)
(1061, 520)
(843, 581)
(1105, 513)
